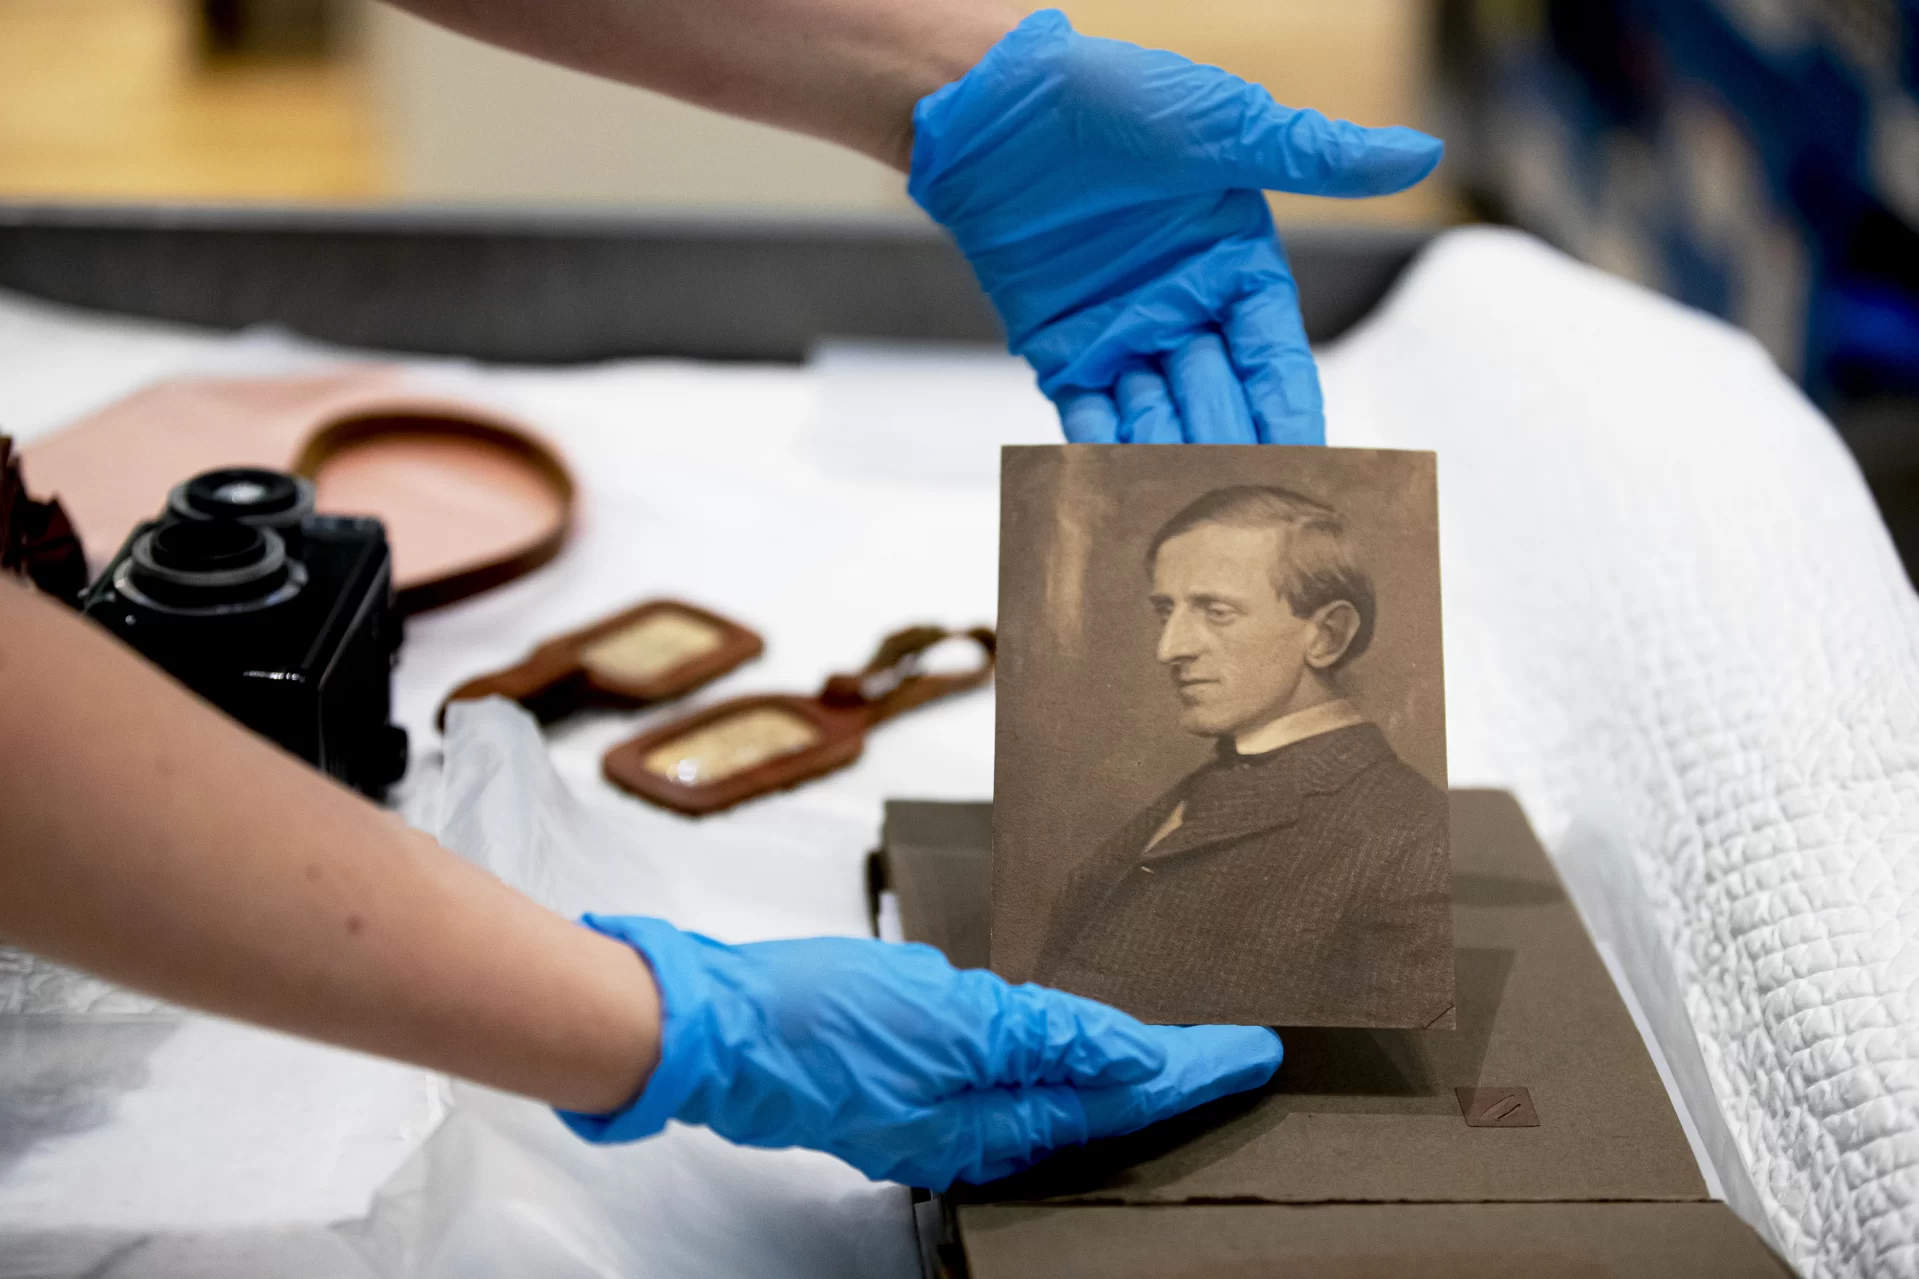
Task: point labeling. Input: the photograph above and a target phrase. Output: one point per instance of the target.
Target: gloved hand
(904, 1066)
(1109, 199)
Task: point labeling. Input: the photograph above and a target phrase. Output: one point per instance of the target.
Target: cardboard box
(1367, 1241)
(1360, 1153)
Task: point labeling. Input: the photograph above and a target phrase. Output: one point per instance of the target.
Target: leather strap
(553, 680)
(338, 436)
(37, 541)
(845, 709)
(891, 683)
(549, 682)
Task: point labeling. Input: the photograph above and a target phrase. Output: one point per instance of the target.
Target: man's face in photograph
(1231, 643)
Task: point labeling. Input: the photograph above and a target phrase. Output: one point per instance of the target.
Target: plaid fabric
(1309, 886)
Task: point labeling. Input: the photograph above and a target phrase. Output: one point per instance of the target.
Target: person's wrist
(635, 1027)
(980, 136)
(959, 36)
(681, 1055)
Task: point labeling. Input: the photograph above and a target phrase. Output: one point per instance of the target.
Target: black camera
(282, 618)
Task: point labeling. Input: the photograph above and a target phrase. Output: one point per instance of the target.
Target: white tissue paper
(502, 1189)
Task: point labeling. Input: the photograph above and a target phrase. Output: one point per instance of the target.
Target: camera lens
(246, 495)
(242, 493)
(211, 565)
(208, 546)
(249, 494)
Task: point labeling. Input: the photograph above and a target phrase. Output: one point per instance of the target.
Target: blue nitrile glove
(904, 1066)
(1109, 198)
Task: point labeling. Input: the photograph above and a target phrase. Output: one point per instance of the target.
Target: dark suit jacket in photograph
(1308, 886)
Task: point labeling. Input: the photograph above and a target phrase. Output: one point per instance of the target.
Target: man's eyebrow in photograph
(1204, 599)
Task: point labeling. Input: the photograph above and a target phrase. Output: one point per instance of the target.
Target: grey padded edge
(561, 287)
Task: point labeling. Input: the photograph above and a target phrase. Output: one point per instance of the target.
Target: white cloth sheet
(1675, 628)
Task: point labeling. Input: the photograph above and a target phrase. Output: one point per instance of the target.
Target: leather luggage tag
(650, 653)
(749, 746)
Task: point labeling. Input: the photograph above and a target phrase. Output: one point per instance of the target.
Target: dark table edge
(561, 285)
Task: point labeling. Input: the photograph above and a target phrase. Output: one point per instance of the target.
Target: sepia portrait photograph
(1220, 772)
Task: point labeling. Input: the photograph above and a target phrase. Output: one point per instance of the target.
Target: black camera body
(282, 618)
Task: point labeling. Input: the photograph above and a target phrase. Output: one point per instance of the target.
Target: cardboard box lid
(1366, 1241)
(942, 875)
(1369, 1116)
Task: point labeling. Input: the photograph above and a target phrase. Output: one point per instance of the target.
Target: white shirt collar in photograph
(1297, 727)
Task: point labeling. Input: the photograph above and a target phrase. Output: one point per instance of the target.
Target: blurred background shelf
(126, 100)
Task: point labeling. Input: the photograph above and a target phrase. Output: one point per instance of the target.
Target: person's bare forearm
(845, 70)
(147, 838)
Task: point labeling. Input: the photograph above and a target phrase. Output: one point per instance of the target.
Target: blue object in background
(1746, 159)
(1873, 335)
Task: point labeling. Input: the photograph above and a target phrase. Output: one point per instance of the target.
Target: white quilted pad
(1675, 626)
